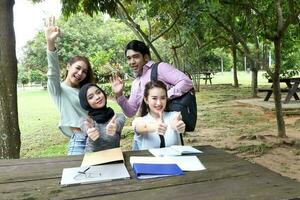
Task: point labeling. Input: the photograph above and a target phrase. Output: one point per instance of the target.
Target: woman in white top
(156, 128)
(65, 93)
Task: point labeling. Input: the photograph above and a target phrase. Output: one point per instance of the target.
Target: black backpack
(186, 104)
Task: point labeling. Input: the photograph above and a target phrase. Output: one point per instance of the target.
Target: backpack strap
(153, 76)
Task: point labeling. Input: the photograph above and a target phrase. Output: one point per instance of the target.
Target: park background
(196, 37)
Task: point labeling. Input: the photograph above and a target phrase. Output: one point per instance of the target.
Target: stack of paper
(91, 171)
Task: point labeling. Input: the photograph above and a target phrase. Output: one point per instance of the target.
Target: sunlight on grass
(244, 78)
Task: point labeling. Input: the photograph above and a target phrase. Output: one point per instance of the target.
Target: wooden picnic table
(207, 76)
(226, 177)
(291, 89)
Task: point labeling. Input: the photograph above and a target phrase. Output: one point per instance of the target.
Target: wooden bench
(270, 91)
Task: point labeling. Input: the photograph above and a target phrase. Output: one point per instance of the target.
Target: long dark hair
(150, 85)
(89, 75)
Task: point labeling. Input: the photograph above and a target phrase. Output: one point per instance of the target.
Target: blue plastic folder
(145, 171)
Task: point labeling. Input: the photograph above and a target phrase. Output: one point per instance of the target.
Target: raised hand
(51, 32)
(117, 85)
(111, 127)
(178, 124)
(92, 132)
(161, 126)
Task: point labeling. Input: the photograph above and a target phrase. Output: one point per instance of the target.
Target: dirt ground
(262, 147)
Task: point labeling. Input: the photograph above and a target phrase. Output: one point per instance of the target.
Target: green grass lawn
(38, 116)
(243, 77)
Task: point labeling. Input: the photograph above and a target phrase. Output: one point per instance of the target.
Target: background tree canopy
(100, 39)
(193, 35)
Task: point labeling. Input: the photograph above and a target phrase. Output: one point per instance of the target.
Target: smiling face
(95, 97)
(136, 61)
(156, 100)
(77, 72)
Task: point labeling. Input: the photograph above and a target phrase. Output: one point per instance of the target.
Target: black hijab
(101, 115)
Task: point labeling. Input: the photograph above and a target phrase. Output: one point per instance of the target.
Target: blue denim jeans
(135, 146)
(77, 144)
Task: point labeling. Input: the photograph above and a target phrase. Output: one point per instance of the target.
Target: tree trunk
(175, 58)
(276, 88)
(9, 126)
(235, 78)
(254, 81)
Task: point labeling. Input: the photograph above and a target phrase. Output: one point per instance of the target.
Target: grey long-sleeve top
(65, 97)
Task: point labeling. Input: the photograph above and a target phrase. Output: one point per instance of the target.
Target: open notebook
(174, 150)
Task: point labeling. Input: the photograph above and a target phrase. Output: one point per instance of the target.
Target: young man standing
(139, 60)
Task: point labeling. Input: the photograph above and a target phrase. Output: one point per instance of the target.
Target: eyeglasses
(84, 174)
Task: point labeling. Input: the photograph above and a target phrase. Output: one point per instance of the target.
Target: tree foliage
(191, 33)
(100, 39)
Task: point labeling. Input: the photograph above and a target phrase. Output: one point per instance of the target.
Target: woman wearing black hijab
(103, 126)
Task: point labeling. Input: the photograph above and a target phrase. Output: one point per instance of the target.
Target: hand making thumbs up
(92, 132)
(178, 124)
(111, 127)
(161, 126)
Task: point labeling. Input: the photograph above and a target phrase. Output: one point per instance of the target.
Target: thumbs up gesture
(92, 132)
(178, 124)
(161, 126)
(111, 127)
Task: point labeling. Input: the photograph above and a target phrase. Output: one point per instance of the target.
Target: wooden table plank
(227, 176)
(231, 188)
(44, 170)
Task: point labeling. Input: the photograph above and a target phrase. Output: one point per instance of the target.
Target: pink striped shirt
(176, 81)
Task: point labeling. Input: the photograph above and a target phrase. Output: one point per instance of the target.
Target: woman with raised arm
(65, 93)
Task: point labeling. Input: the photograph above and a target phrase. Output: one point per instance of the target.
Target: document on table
(93, 174)
(145, 171)
(185, 163)
(188, 163)
(102, 157)
(174, 150)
